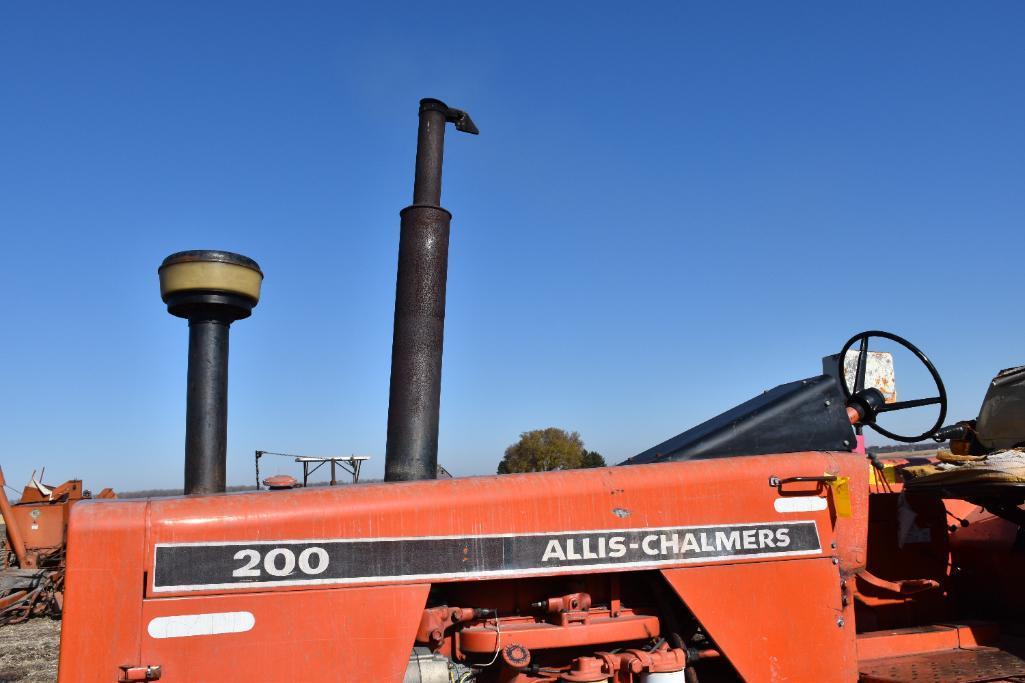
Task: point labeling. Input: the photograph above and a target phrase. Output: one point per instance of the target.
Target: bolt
(839, 622)
(836, 561)
(833, 544)
(828, 402)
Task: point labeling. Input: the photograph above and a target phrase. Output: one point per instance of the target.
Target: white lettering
(306, 567)
(312, 561)
(617, 546)
(749, 539)
(727, 541)
(553, 551)
(252, 558)
(782, 537)
(588, 555)
(765, 538)
(270, 563)
(670, 544)
(690, 542)
(648, 544)
(570, 554)
(705, 547)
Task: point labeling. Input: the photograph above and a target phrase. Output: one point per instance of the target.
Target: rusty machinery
(33, 543)
(762, 545)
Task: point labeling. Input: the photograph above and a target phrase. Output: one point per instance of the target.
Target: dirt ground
(28, 652)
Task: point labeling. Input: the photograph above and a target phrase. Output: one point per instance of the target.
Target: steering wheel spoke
(862, 371)
(903, 405)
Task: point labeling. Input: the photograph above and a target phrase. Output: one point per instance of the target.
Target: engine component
(212, 289)
(667, 677)
(663, 665)
(427, 667)
(515, 656)
(565, 603)
(575, 629)
(590, 670)
(411, 451)
(436, 619)
(660, 665)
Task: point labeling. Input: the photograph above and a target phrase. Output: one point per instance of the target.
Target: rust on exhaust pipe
(415, 393)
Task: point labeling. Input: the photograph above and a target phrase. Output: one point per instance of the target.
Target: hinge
(139, 673)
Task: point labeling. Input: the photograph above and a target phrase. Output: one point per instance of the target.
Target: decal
(242, 564)
(210, 624)
(800, 504)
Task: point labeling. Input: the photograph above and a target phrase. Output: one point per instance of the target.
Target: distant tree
(543, 450)
(592, 459)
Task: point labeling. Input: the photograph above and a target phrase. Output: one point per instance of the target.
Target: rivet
(836, 561)
(839, 622)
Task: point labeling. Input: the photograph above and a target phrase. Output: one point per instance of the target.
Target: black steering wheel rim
(941, 399)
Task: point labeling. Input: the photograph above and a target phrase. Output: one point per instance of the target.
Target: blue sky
(670, 208)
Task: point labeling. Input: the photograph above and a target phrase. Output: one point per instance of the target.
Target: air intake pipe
(415, 394)
(212, 289)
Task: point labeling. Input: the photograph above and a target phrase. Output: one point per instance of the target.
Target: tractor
(762, 545)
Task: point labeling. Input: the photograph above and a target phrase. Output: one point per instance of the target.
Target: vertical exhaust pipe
(415, 393)
(211, 289)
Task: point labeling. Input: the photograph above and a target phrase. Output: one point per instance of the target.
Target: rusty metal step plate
(982, 665)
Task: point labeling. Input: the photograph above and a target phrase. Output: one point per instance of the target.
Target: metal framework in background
(312, 463)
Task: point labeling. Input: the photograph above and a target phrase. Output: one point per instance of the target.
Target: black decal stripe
(207, 566)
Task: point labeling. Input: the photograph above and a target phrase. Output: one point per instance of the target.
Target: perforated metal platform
(982, 665)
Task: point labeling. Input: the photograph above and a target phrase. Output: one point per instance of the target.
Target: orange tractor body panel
(336, 626)
(797, 629)
(106, 546)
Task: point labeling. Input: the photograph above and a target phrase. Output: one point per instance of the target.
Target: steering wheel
(859, 384)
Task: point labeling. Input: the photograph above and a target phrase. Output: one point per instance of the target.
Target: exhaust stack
(415, 393)
(212, 289)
